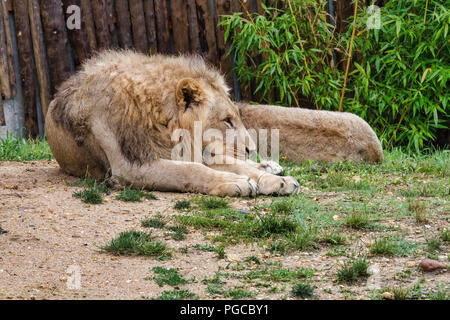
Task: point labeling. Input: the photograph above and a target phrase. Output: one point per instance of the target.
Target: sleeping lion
(115, 120)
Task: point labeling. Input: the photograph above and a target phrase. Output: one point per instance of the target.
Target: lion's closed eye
(229, 122)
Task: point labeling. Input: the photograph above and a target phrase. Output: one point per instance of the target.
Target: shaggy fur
(316, 135)
(116, 116)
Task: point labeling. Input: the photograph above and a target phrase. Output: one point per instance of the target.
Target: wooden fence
(41, 45)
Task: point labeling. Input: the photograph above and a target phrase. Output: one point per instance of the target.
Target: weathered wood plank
(150, 24)
(56, 42)
(224, 7)
(25, 51)
(9, 47)
(180, 26)
(194, 38)
(37, 35)
(88, 18)
(124, 24)
(162, 26)
(5, 85)
(138, 24)
(207, 30)
(2, 113)
(78, 37)
(102, 25)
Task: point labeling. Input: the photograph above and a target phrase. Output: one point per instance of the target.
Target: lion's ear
(189, 93)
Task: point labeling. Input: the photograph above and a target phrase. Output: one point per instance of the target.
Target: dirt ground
(50, 233)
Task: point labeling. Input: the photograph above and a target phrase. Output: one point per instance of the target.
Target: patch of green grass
(430, 189)
(221, 254)
(213, 203)
(270, 224)
(333, 238)
(136, 243)
(204, 247)
(171, 277)
(283, 206)
(302, 290)
(178, 232)
(253, 260)
(133, 195)
(153, 223)
(177, 295)
(433, 245)
(357, 220)
(418, 209)
(93, 194)
(445, 236)
(18, 149)
(391, 246)
(440, 294)
(237, 293)
(182, 205)
(353, 270)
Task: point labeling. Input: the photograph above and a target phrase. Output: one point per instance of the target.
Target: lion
(319, 135)
(115, 118)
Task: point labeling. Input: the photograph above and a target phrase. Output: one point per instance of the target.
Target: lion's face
(220, 120)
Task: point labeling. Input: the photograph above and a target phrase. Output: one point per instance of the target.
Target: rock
(387, 295)
(428, 265)
(243, 211)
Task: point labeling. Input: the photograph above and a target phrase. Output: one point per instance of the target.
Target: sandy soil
(49, 231)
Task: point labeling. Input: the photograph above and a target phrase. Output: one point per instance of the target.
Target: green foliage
(171, 277)
(302, 290)
(353, 270)
(17, 149)
(176, 295)
(136, 243)
(399, 74)
(182, 205)
(133, 195)
(93, 193)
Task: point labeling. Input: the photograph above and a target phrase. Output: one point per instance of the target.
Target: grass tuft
(353, 270)
(182, 205)
(133, 195)
(136, 243)
(171, 277)
(302, 290)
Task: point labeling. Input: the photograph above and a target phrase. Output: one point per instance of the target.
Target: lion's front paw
(271, 167)
(269, 184)
(240, 186)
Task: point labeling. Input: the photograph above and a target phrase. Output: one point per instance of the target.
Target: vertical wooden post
(5, 84)
(162, 26)
(207, 30)
(56, 42)
(138, 25)
(180, 26)
(88, 17)
(9, 48)
(102, 25)
(25, 50)
(193, 27)
(78, 37)
(150, 24)
(2, 113)
(40, 58)
(224, 7)
(124, 24)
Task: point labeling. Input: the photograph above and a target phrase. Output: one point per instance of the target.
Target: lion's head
(206, 106)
